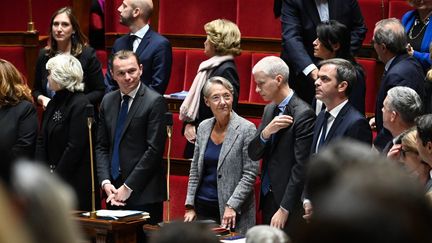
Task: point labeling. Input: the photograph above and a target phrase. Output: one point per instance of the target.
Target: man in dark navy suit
(299, 21)
(389, 41)
(153, 50)
(339, 119)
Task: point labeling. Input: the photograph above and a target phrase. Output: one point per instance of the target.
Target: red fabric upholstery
(369, 66)
(102, 56)
(42, 12)
(243, 63)
(373, 11)
(189, 16)
(178, 190)
(112, 17)
(178, 140)
(15, 55)
(193, 60)
(253, 95)
(177, 72)
(254, 120)
(398, 8)
(255, 19)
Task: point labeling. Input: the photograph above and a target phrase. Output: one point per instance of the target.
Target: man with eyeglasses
(389, 42)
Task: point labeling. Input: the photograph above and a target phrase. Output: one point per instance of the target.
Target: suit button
(219, 176)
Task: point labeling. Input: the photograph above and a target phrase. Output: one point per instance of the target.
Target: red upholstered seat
(178, 140)
(178, 190)
(398, 8)
(42, 12)
(255, 19)
(253, 95)
(369, 66)
(16, 56)
(177, 71)
(193, 60)
(102, 56)
(189, 16)
(373, 11)
(243, 63)
(112, 17)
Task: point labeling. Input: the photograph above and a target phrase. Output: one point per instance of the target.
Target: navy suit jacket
(348, 123)
(299, 21)
(154, 53)
(141, 147)
(403, 71)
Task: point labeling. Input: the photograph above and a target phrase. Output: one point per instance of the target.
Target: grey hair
(272, 66)
(66, 71)
(217, 80)
(391, 33)
(266, 234)
(406, 102)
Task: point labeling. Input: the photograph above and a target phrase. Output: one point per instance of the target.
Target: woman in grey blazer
(222, 176)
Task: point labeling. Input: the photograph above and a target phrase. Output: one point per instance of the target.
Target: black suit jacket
(154, 53)
(403, 71)
(63, 142)
(141, 147)
(348, 123)
(93, 80)
(286, 159)
(18, 134)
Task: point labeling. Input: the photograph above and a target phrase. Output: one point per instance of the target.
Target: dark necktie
(265, 184)
(131, 41)
(115, 161)
(324, 130)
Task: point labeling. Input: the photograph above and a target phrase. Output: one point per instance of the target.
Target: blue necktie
(265, 183)
(115, 161)
(324, 130)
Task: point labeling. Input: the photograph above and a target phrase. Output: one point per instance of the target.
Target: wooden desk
(101, 231)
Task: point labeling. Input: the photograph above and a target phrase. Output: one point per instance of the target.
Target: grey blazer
(236, 171)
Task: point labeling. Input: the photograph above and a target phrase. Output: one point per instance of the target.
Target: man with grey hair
(153, 50)
(389, 41)
(400, 108)
(283, 142)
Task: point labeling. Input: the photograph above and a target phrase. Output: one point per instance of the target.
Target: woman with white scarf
(222, 44)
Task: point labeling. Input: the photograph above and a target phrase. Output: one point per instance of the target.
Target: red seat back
(189, 16)
(398, 8)
(102, 56)
(112, 17)
(243, 63)
(255, 19)
(16, 56)
(373, 11)
(178, 190)
(369, 66)
(176, 82)
(193, 60)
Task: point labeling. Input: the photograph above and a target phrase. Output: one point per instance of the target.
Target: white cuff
(106, 181)
(309, 69)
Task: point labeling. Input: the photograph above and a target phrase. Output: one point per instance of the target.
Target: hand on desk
(229, 218)
(117, 197)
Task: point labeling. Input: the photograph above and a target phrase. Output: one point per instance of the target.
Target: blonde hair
(13, 87)
(225, 36)
(66, 71)
(408, 140)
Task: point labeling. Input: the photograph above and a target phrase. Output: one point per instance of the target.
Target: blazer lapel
(134, 107)
(333, 9)
(311, 8)
(230, 138)
(202, 142)
(318, 125)
(144, 42)
(340, 117)
(115, 111)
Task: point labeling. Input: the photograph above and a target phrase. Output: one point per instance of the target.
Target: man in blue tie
(282, 141)
(336, 77)
(131, 140)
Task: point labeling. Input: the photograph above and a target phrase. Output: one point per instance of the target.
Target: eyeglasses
(405, 151)
(217, 98)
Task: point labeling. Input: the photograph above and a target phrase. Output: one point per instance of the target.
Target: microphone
(89, 110)
(169, 125)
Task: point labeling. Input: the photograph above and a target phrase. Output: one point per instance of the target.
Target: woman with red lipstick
(65, 36)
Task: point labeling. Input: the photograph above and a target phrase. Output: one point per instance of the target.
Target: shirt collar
(141, 32)
(335, 111)
(133, 93)
(386, 67)
(286, 100)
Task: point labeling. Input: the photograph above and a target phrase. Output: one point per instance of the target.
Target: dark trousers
(207, 210)
(295, 222)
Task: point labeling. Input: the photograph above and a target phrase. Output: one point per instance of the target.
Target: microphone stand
(169, 133)
(89, 125)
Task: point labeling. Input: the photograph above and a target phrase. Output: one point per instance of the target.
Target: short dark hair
(332, 32)
(345, 71)
(122, 55)
(424, 128)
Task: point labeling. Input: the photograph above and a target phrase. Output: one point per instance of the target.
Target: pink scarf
(190, 106)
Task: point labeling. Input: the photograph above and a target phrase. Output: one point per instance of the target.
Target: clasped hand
(117, 197)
